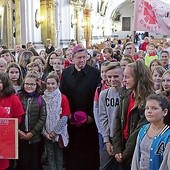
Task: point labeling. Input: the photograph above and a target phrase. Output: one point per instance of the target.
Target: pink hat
(79, 118)
(77, 48)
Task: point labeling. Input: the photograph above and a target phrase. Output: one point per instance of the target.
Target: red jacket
(143, 46)
(13, 106)
(4, 163)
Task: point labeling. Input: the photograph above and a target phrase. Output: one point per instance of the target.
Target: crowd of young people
(89, 121)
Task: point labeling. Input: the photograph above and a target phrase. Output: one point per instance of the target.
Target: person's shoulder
(124, 92)
(13, 96)
(146, 126)
(63, 97)
(143, 129)
(64, 100)
(68, 69)
(166, 130)
(103, 92)
(92, 69)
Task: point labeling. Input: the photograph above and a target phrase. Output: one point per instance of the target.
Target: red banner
(8, 138)
(152, 16)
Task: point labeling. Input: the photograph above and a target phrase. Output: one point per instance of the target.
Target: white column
(64, 22)
(36, 32)
(1, 23)
(29, 31)
(24, 36)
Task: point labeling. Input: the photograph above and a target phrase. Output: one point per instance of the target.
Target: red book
(8, 138)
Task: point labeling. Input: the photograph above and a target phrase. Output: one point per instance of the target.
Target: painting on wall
(126, 22)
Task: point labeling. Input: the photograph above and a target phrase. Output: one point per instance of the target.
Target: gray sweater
(109, 101)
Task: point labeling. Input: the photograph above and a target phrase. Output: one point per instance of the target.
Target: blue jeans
(54, 155)
(101, 143)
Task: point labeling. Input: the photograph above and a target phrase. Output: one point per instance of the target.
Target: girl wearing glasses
(32, 123)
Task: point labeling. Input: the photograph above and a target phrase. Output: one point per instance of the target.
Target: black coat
(37, 116)
(49, 50)
(79, 87)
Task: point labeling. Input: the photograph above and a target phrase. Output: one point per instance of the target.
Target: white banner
(152, 16)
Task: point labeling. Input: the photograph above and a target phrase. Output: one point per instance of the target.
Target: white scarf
(53, 106)
(54, 111)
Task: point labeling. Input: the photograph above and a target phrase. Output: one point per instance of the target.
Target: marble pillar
(48, 28)
(9, 25)
(1, 24)
(87, 27)
(17, 23)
